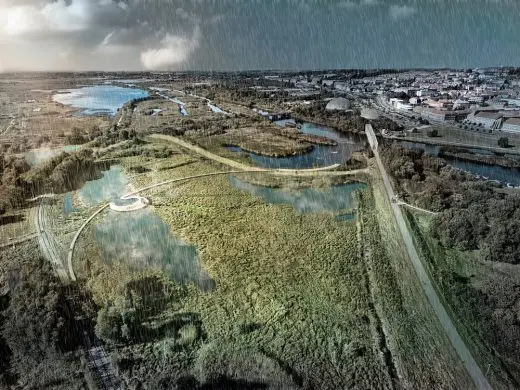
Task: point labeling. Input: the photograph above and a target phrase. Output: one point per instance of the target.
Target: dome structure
(369, 113)
(339, 103)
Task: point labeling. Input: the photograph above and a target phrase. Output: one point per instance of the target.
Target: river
(321, 155)
(507, 176)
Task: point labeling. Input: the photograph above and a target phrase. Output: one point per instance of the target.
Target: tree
(503, 142)
(432, 133)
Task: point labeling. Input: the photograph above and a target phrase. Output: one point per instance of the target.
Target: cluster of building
(487, 98)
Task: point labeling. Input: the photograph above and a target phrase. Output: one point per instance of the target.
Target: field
(301, 300)
(291, 292)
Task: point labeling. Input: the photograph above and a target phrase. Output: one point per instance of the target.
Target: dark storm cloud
(256, 34)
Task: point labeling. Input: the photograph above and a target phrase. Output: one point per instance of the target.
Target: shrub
(503, 142)
(432, 133)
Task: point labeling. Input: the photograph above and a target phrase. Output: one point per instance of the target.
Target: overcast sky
(256, 34)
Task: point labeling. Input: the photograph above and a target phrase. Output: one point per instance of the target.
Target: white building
(511, 125)
(486, 119)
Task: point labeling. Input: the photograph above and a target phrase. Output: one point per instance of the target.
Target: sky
(110, 35)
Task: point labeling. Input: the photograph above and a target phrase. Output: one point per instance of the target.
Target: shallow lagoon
(307, 200)
(99, 99)
(142, 240)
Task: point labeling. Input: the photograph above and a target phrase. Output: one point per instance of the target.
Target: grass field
(301, 300)
(291, 289)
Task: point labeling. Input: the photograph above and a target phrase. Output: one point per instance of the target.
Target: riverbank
(487, 159)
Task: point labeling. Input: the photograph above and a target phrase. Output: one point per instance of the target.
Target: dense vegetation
(474, 214)
(62, 173)
(11, 194)
(347, 122)
(38, 329)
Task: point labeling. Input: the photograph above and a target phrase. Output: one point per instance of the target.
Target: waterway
(503, 175)
(99, 99)
(140, 239)
(217, 110)
(321, 155)
(307, 200)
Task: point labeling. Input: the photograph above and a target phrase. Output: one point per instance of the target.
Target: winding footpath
(321, 171)
(456, 340)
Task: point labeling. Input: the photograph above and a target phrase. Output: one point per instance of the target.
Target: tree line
(474, 214)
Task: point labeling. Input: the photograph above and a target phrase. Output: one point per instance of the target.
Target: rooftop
(512, 121)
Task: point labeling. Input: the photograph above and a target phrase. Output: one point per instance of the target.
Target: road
(18, 240)
(401, 203)
(97, 357)
(48, 244)
(456, 340)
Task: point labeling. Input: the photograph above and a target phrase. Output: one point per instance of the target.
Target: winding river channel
(320, 156)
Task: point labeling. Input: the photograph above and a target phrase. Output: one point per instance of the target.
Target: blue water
(320, 156)
(491, 172)
(141, 240)
(217, 110)
(68, 205)
(306, 200)
(100, 99)
(346, 217)
(108, 188)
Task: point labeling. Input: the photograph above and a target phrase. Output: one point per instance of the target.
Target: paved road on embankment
(48, 244)
(456, 340)
(321, 171)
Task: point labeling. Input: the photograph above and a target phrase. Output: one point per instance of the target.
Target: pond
(306, 200)
(503, 175)
(111, 186)
(142, 240)
(99, 99)
(320, 156)
(217, 110)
